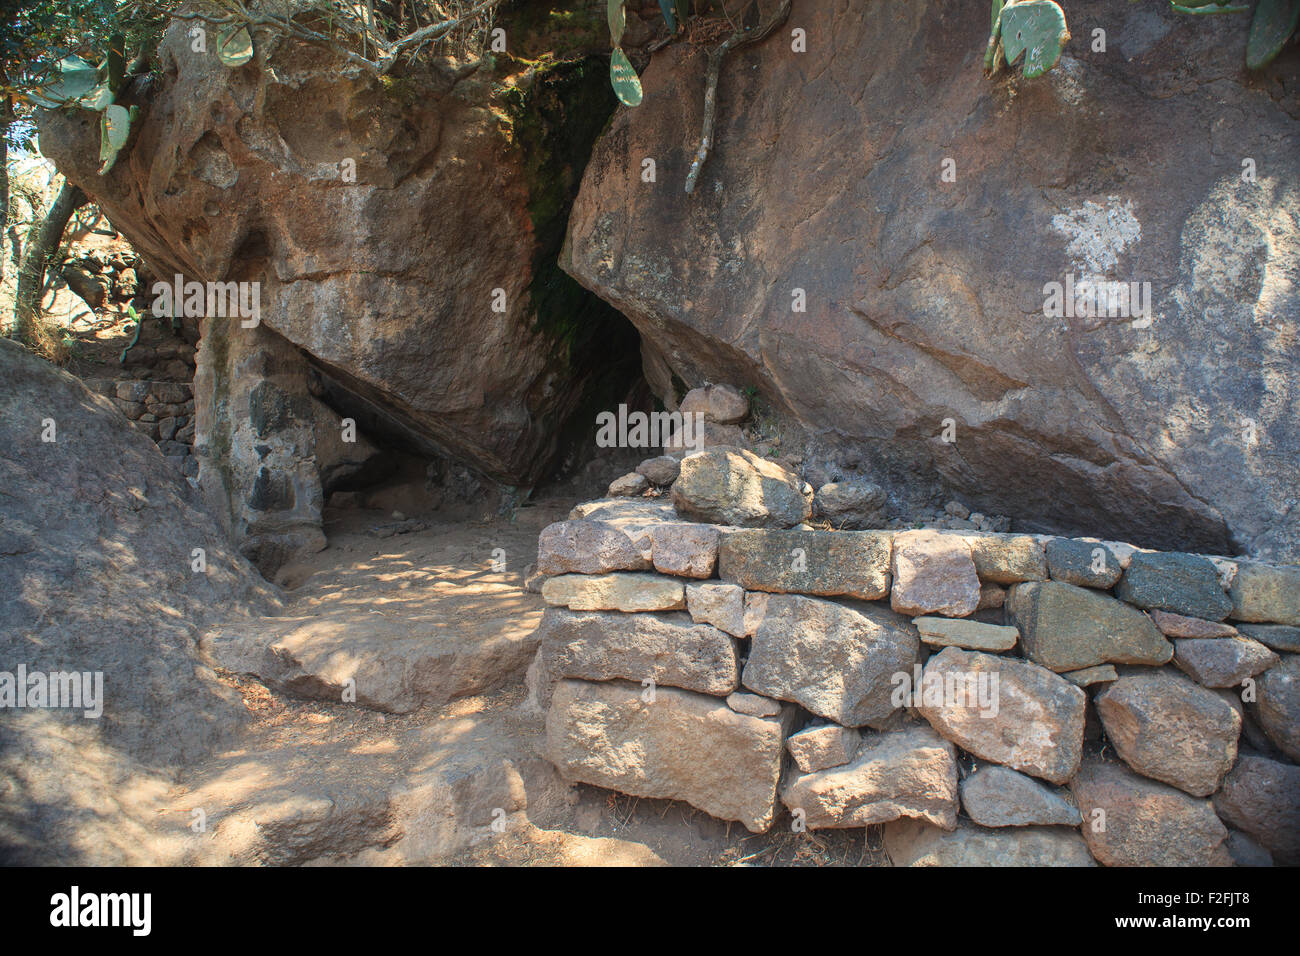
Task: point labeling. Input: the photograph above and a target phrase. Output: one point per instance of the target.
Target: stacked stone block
(991, 698)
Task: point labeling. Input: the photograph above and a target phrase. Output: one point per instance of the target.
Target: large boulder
(110, 566)
(402, 231)
(736, 487)
(886, 306)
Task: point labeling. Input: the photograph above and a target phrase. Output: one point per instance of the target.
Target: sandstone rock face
(834, 660)
(914, 843)
(829, 563)
(905, 773)
(667, 649)
(615, 592)
(1277, 705)
(1262, 797)
(733, 486)
(1145, 823)
(886, 255)
(587, 547)
(1186, 584)
(380, 219)
(1068, 628)
(1008, 558)
(996, 796)
(683, 746)
(74, 508)
(1167, 728)
(1222, 661)
(933, 574)
(722, 605)
(1030, 719)
(690, 550)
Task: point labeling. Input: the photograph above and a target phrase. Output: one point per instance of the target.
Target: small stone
(1186, 584)
(904, 773)
(629, 486)
(997, 796)
(753, 705)
(1222, 661)
(822, 747)
(1101, 674)
(587, 547)
(1167, 728)
(722, 605)
(1008, 558)
(933, 574)
(681, 746)
(724, 404)
(834, 660)
(1068, 628)
(1264, 593)
(824, 563)
(1083, 563)
(1005, 710)
(533, 579)
(956, 632)
(755, 610)
(857, 503)
(688, 550)
(1262, 798)
(1145, 823)
(992, 596)
(1280, 637)
(1246, 852)
(660, 472)
(914, 843)
(629, 592)
(1176, 625)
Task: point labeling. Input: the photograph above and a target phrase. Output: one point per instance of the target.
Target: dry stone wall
(990, 698)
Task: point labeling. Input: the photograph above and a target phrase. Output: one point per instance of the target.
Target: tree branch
(735, 41)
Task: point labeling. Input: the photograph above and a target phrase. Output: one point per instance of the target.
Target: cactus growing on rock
(1032, 29)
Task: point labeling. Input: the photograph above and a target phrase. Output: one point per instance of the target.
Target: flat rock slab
(722, 605)
(972, 635)
(629, 592)
(914, 843)
(683, 746)
(1008, 558)
(587, 547)
(1068, 628)
(754, 705)
(669, 649)
(1101, 674)
(825, 563)
(1222, 661)
(1265, 593)
(1005, 710)
(823, 747)
(1083, 563)
(835, 660)
(997, 796)
(1280, 637)
(1176, 625)
(903, 773)
(934, 573)
(1262, 797)
(1277, 704)
(1186, 584)
(735, 487)
(1166, 727)
(1130, 820)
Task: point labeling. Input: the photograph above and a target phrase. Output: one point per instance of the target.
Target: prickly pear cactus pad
(1274, 21)
(1037, 29)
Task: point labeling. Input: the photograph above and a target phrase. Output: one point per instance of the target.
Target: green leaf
(670, 18)
(234, 45)
(98, 98)
(627, 85)
(75, 79)
(1037, 29)
(116, 61)
(1274, 21)
(617, 20)
(114, 128)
